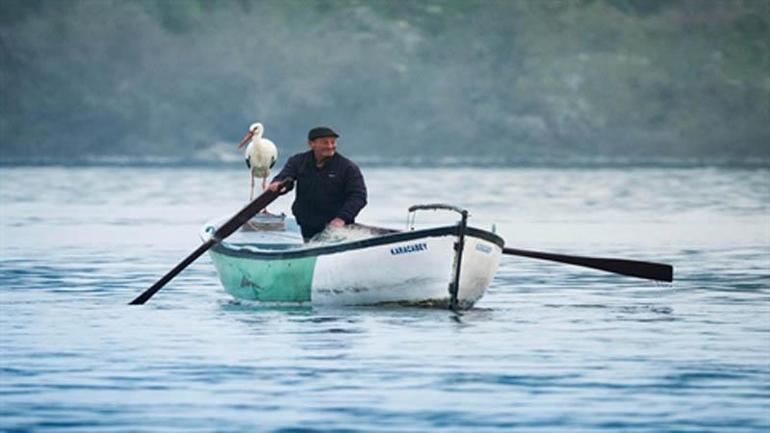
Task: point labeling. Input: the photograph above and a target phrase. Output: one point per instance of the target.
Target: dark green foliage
(501, 79)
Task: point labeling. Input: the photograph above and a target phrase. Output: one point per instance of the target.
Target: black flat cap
(320, 132)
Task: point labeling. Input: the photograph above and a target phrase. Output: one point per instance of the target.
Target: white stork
(260, 155)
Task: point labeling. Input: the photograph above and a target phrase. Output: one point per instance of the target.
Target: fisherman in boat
(330, 188)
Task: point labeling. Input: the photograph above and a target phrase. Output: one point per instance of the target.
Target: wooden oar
(222, 232)
(632, 268)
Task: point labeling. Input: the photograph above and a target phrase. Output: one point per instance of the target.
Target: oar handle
(251, 209)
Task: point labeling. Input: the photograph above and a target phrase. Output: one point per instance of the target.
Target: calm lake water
(550, 348)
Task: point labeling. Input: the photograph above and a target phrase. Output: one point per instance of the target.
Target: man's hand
(275, 186)
(337, 222)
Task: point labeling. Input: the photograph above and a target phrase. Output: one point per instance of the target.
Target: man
(330, 187)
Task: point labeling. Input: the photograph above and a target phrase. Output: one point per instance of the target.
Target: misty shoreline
(528, 82)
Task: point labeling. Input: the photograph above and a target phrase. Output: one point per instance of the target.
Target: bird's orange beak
(245, 139)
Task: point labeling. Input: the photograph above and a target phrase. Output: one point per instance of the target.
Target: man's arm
(289, 170)
(355, 195)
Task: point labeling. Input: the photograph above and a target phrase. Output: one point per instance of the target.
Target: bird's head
(255, 129)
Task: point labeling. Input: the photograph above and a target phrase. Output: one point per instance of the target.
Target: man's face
(324, 147)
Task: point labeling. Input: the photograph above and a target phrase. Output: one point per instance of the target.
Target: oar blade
(633, 268)
(147, 294)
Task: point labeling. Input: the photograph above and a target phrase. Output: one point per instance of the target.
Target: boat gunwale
(385, 239)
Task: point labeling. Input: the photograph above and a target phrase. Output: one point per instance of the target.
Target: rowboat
(267, 260)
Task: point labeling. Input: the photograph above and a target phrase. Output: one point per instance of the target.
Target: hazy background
(572, 81)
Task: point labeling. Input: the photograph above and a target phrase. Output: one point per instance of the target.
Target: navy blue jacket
(336, 190)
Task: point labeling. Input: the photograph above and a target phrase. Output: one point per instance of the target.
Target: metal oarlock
(454, 285)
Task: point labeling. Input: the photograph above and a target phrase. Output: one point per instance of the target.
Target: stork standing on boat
(261, 155)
